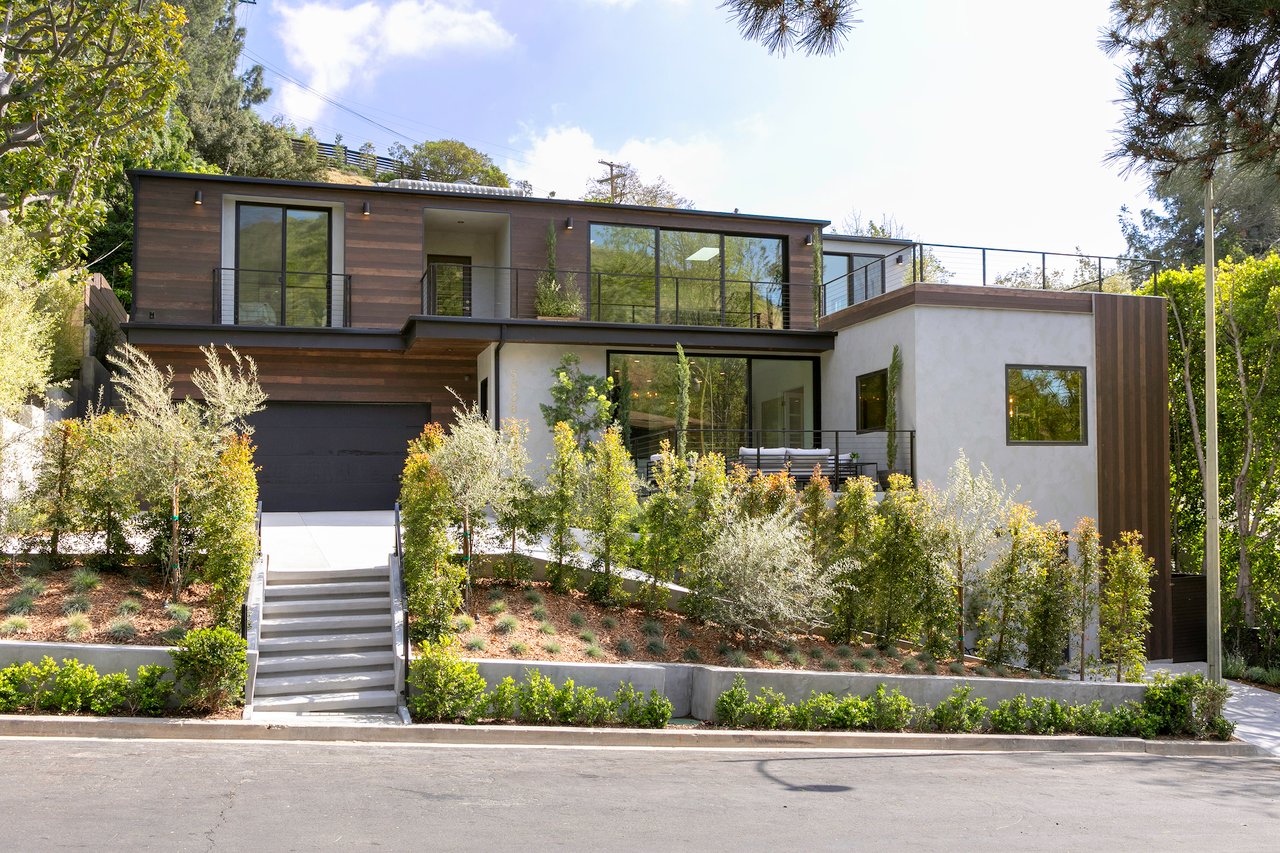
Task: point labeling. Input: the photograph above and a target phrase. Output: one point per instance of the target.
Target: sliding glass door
(283, 265)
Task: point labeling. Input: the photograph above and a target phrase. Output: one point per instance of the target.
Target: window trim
(857, 401)
(284, 250)
(1084, 405)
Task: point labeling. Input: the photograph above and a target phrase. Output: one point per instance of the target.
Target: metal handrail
(286, 280)
(404, 599)
(244, 605)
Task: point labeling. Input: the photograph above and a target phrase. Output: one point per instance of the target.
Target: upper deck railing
(941, 263)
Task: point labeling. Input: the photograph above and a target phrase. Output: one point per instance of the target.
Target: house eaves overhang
(421, 331)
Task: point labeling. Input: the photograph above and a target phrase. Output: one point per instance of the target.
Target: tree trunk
(174, 568)
(960, 604)
(466, 555)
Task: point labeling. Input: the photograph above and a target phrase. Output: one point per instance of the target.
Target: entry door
(450, 280)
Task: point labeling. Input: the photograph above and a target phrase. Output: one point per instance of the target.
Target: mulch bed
(143, 585)
(709, 643)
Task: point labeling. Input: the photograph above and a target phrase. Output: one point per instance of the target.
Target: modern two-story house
(368, 308)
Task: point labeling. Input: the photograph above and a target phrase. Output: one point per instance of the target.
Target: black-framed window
(850, 278)
(1045, 404)
(873, 400)
(283, 264)
(669, 276)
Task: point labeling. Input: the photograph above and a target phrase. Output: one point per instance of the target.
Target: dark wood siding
(1133, 438)
(1189, 616)
(179, 244)
(329, 376)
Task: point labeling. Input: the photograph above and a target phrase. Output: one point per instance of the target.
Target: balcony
(940, 263)
(281, 298)
(465, 290)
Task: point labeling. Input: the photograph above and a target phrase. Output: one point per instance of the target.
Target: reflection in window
(282, 265)
(873, 397)
(1045, 405)
(622, 259)
(835, 277)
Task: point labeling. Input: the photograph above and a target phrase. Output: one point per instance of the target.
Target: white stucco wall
(482, 249)
(525, 384)
(953, 394)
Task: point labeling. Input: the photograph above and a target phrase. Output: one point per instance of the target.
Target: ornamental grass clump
(20, 605)
(506, 624)
(588, 637)
(594, 652)
(78, 603)
(129, 607)
(546, 628)
(85, 580)
(577, 620)
(122, 629)
(179, 613)
(15, 625)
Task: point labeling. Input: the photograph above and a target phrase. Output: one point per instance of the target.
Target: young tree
(560, 497)
(817, 518)
(609, 503)
(226, 530)
(1048, 631)
(970, 513)
(1003, 623)
(578, 399)
(1124, 612)
(682, 400)
(857, 531)
(710, 500)
(175, 444)
(433, 581)
(1083, 582)
(105, 486)
(54, 493)
(80, 85)
(481, 465)
(667, 525)
(903, 566)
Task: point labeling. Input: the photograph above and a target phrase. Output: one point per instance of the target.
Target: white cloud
(331, 44)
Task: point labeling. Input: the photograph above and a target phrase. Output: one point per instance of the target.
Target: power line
(615, 171)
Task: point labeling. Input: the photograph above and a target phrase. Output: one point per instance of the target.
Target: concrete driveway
(328, 540)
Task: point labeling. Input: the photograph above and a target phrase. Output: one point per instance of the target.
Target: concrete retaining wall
(104, 658)
(694, 688)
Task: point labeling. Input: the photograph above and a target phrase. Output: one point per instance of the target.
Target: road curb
(550, 736)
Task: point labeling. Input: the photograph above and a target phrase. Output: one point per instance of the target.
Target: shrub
(20, 605)
(497, 607)
(15, 625)
(173, 634)
(502, 701)
(1256, 674)
(608, 622)
(691, 655)
(910, 666)
(891, 712)
(1186, 705)
(535, 698)
(732, 704)
(226, 530)
(609, 503)
(77, 625)
(851, 713)
(984, 672)
(844, 652)
(814, 713)
(1012, 716)
(656, 646)
(122, 629)
(475, 644)
(651, 628)
(868, 652)
(85, 580)
(1233, 666)
(1124, 611)
(73, 687)
(129, 607)
(624, 647)
(956, 667)
(552, 647)
(463, 624)
(506, 624)
(110, 694)
(768, 710)
(797, 658)
(1049, 716)
(178, 612)
(78, 603)
(518, 648)
(635, 710)
(538, 612)
(149, 693)
(432, 579)
(447, 689)
(210, 668)
(588, 637)
(560, 498)
(577, 620)
(546, 628)
(594, 652)
(831, 664)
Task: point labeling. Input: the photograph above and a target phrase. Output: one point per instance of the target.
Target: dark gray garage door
(330, 456)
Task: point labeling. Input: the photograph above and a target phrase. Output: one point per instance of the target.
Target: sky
(982, 122)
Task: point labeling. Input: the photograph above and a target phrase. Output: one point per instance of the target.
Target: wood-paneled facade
(178, 243)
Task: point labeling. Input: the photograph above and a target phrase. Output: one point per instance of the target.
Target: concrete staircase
(326, 643)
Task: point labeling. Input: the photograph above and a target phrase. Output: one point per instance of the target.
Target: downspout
(497, 374)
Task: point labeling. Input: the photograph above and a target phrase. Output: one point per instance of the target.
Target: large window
(873, 400)
(282, 270)
(850, 279)
(1045, 405)
(687, 278)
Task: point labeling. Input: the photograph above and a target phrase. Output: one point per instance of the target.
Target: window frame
(1084, 405)
(284, 207)
(857, 401)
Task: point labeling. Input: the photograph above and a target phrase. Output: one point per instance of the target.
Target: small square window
(873, 397)
(1045, 405)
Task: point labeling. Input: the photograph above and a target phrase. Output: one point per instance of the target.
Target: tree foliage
(625, 186)
(82, 82)
(433, 581)
(452, 161)
(26, 358)
(1124, 613)
(609, 503)
(813, 27)
(226, 530)
(578, 399)
(1201, 82)
(560, 493)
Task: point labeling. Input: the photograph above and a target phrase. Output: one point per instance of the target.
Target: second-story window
(283, 265)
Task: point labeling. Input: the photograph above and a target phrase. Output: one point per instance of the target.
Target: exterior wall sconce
(568, 224)
(364, 209)
(898, 260)
(808, 239)
(199, 197)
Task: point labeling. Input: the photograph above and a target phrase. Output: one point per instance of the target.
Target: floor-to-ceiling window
(282, 265)
(687, 278)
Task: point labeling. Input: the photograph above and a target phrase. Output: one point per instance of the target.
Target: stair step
(326, 625)
(270, 664)
(324, 589)
(277, 577)
(326, 643)
(356, 700)
(317, 606)
(323, 682)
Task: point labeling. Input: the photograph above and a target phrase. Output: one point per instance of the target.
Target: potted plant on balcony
(557, 297)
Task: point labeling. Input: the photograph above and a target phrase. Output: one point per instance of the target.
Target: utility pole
(1212, 549)
(615, 172)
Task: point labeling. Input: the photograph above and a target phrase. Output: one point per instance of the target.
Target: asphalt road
(190, 796)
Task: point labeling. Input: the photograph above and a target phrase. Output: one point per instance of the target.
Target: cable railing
(281, 298)
(941, 263)
(471, 290)
(837, 453)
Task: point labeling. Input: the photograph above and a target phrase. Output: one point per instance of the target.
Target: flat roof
(378, 188)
